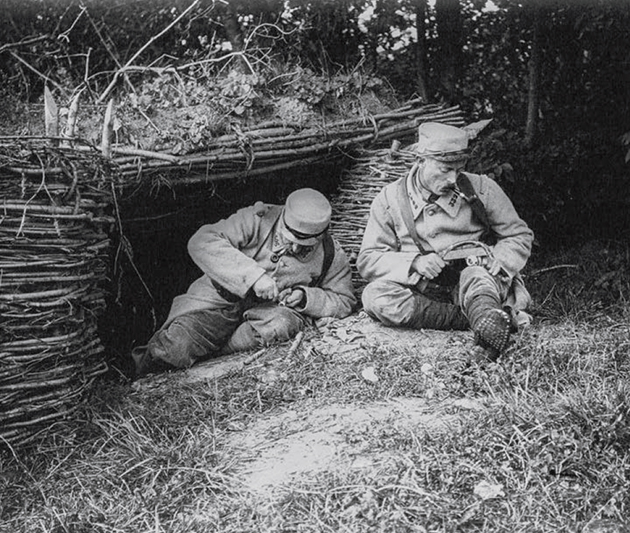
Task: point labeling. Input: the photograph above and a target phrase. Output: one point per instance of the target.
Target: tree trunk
(421, 51)
(450, 38)
(533, 98)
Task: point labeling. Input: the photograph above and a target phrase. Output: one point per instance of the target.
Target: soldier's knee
(382, 301)
(173, 345)
(276, 324)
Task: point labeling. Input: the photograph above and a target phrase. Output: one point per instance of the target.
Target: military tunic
(388, 250)
(233, 254)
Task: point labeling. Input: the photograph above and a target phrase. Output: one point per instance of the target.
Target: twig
(41, 75)
(118, 73)
(296, 344)
(25, 42)
(548, 269)
(146, 153)
(254, 356)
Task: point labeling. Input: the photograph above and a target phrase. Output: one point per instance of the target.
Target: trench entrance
(155, 266)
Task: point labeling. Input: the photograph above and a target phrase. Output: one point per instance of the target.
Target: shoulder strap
(270, 231)
(405, 208)
(329, 255)
(467, 189)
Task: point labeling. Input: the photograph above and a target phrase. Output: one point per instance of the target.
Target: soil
(296, 443)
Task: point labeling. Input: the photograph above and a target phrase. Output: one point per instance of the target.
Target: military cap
(306, 216)
(442, 142)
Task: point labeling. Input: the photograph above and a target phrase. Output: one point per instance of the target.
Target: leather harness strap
(407, 215)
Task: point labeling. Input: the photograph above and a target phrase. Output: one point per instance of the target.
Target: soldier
(435, 208)
(267, 269)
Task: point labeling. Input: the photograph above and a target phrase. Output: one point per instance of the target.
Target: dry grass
(547, 452)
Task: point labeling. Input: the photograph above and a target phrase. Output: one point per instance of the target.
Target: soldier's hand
(494, 267)
(292, 297)
(428, 266)
(265, 287)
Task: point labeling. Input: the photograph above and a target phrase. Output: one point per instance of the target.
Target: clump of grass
(586, 283)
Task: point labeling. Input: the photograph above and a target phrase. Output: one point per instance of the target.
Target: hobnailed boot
(491, 324)
(431, 314)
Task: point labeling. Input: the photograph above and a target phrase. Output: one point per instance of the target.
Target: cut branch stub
(108, 130)
(51, 114)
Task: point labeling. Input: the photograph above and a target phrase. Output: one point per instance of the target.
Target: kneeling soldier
(418, 219)
(266, 270)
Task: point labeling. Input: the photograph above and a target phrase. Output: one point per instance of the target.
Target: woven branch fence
(54, 260)
(273, 147)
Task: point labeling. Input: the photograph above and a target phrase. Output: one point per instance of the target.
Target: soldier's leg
(265, 325)
(394, 304)
(193, 336)
(482, 296)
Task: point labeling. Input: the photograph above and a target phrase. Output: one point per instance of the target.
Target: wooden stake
(51, 115)
(72, 116)
(108, 130)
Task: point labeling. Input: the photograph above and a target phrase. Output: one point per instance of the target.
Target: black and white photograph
(314, 266)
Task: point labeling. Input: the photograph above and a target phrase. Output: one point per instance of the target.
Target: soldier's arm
(335, 297)
(216, 250)
(380, 256)
(514, 237)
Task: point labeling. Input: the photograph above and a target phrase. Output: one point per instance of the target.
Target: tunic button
(430, 212)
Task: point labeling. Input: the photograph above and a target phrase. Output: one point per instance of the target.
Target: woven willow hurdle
(54, 261)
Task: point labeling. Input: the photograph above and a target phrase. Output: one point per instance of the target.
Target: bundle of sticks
(271, 147)
(54, 263)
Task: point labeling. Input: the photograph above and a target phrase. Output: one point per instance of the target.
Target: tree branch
(25, 42)
(113, 83)
(42, 75)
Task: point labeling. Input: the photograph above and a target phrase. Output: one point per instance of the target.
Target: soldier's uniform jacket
(235, 252)
(387, 249)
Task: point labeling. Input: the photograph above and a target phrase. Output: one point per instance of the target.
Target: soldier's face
(439, 177)
(295, 249)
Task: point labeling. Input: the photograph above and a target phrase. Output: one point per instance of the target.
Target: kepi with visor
(442, 142)
(306, 217)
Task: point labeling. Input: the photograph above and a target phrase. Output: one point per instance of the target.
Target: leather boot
(146, 364)
(491, 324)
(244, 338)
(431, 314)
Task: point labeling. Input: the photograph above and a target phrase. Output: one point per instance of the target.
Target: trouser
(395, 304)
(199, 335)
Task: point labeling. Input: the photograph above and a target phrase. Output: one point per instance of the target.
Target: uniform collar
(450, 203)
(277, 244)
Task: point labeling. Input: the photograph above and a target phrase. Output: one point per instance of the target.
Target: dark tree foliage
(450, 41)
(476, 57)
(573, 181)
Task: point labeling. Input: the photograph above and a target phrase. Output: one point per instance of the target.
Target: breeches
(397, 305)
(201, 334)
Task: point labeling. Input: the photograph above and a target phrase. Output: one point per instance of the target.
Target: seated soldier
(414, 220)
(267, 269)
